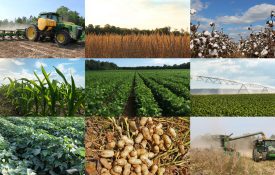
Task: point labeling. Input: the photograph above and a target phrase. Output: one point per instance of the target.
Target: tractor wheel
(32, 33)
(62, 37)
(42, 38)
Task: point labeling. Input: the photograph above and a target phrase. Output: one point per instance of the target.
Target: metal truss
(243, 85)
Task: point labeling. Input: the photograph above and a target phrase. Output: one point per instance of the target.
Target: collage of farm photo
(137, 87)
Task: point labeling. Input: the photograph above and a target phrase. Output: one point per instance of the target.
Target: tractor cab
(263, 150)
(50, 15)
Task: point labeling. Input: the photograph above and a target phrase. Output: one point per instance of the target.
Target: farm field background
(41, 145)
(138, 93)
(233, 105)
(213, 161)
(137, 46)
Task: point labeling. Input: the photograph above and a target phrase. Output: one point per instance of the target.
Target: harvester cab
(49, 25)
(263, 149)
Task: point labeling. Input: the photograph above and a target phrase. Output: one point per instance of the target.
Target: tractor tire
(264, 156)
(62, 38)
(32, 33)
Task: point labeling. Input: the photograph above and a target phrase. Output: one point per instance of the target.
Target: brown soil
(29, 49)
(130, 107)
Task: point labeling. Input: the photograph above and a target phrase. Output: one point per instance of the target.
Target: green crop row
(233, 105)
(176, 88)
(171, 104)
(109, 93)
(45, 97)
(146, 104)
(41, 151)
(52, 128)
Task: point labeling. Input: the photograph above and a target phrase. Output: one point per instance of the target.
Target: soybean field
(233, 105)
(42, 145)
(138, 93)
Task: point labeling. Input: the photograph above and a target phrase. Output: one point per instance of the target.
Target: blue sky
(17, 8)
(260, 71)
(129, 62)
(232, 15)
(227, 125)
(24, 68)
(142, 14)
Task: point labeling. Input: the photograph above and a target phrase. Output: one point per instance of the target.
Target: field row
(140, 93)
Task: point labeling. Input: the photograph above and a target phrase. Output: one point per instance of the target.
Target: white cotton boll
(273, 13)
(206, 33)
(191, 45)
(242, 54)
(197, 41)
(213, 52)
(256, 53)
(216, 36)
(255, 45)
(193, 11)
(264, 53)
(216, 45)
(200, 55)
(223, 47)
(203, 39)
(211, 24)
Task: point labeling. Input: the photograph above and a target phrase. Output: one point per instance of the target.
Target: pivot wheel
(32, 33)
(62, 38)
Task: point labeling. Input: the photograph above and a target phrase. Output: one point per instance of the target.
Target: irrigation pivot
(243, 85)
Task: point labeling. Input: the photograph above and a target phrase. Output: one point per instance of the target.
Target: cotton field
(217, 44)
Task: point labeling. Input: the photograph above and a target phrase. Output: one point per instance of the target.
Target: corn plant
(45, 97)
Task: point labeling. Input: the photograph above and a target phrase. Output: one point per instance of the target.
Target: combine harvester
(263, 148)
(48, 26)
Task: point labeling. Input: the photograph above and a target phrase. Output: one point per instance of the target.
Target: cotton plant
(211, 44)
(216, 44)
(259, 44)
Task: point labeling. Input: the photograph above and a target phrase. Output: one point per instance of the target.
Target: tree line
(64, 12)
(103, 65)
(109, 29)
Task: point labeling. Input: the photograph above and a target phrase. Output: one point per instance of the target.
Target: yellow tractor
(50, 26)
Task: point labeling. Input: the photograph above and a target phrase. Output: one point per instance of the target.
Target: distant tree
(71, 16)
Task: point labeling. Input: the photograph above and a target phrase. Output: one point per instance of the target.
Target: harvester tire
(256, 156)
(32, 33)
(62, 38)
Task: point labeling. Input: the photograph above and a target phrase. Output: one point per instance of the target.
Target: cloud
(161, 62)
(38, 64)
(141, 14)
(253, 14)
(17, 62)
(198, 5)
(243, 70)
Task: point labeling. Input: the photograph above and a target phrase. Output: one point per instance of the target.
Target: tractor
(50, 25)
(263, 149)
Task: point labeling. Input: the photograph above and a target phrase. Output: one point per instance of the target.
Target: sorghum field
(137, 46)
